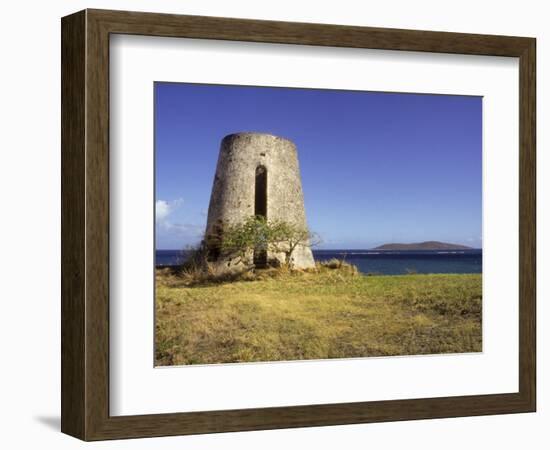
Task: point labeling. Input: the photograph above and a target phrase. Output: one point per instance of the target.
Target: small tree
(239, 240)
(256, 233)
(286, 237)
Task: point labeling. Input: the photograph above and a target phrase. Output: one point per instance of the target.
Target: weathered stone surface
(233, 192)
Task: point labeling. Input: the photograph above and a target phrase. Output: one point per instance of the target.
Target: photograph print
(312, 224)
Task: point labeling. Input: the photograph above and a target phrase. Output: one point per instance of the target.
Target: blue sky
(376, 167)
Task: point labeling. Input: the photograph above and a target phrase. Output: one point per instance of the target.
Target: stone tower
(257, 174)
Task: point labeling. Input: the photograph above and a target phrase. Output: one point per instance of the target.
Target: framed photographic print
(271, 225)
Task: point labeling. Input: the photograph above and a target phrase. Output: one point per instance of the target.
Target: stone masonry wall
(233, 191)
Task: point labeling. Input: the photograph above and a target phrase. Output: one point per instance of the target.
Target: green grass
(281, 316)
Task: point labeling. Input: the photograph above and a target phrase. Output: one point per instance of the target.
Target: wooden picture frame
(85, 224)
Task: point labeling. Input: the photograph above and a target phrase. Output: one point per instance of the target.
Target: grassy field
(281, 316)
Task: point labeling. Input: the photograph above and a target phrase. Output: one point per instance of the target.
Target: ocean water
(388, 262)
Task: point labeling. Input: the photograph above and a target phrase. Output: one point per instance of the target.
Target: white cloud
(185, 229)
(171, 233)
(163, 208)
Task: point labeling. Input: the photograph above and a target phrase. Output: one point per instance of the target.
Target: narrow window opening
(260, 196)
(260, 209)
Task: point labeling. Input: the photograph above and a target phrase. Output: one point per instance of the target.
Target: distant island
(428, 245)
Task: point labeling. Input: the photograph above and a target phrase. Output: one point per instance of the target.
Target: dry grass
(277, 314)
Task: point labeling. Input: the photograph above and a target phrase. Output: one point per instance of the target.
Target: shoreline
(178, 267)
(389, 262)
